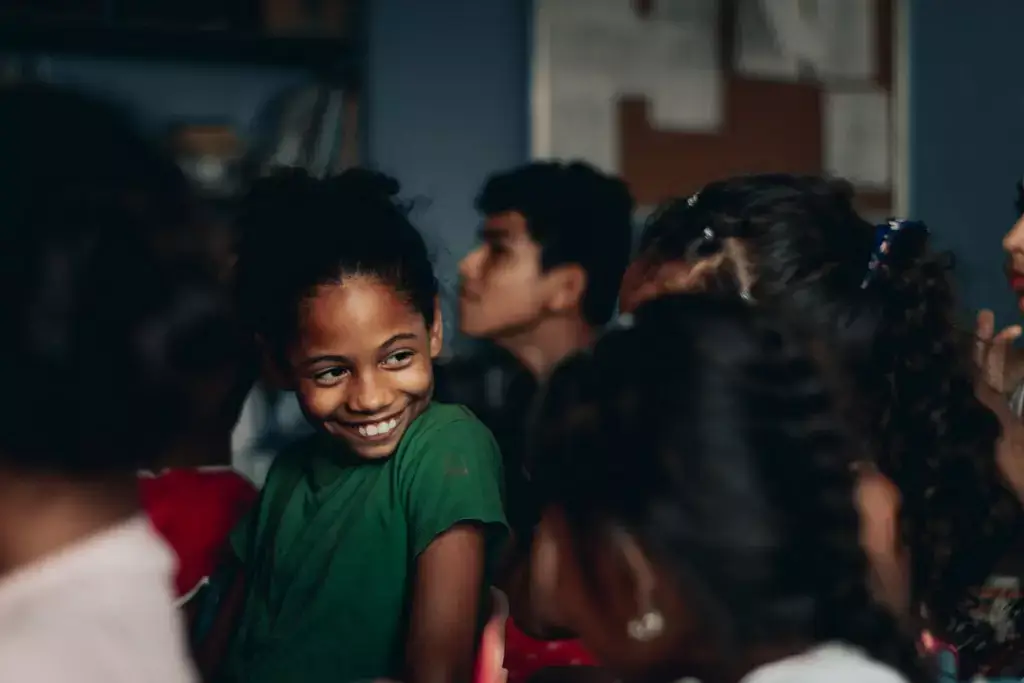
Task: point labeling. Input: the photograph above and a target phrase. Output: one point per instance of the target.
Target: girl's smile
(363, 363)
(378, 431)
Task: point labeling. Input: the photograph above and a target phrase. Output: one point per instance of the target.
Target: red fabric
(525, 656)
(195, 510)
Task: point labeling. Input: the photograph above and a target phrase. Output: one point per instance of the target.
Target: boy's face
(503, 291)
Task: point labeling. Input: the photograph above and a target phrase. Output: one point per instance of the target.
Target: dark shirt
(499, 391)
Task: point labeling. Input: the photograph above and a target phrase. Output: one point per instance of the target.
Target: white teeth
(379, 428)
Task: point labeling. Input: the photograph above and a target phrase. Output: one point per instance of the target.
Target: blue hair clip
(884, 236)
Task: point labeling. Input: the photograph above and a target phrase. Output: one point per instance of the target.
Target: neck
(541, 348)
(41, 515)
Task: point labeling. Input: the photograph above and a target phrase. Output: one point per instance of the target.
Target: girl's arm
(441, 644)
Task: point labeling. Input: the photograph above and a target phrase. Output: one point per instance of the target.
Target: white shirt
(833, 663)
(101, 611)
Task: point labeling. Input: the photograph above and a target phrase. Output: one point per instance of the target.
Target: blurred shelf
(333, 58)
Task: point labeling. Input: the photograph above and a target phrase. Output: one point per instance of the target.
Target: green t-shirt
(330, 549)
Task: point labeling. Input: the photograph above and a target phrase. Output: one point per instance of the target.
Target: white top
(101, 611)
(832, 663)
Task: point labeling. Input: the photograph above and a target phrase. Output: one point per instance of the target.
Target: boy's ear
(567, 285)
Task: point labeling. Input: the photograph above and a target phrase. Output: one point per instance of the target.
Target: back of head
(705, 432)
(796, 245)
(109, 316)
(298, 232)
(577, 215)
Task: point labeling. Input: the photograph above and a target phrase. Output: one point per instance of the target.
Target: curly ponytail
(934, 438)
(815, 482)
(890, 336)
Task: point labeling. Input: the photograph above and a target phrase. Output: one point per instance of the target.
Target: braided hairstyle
(796, 245)
(298, 232)
(707, 434)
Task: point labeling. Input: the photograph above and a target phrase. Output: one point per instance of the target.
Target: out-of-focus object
(857, 145)
(794, 39)
(590, 55)
(326, 42)
(307, 17)
(314, 127)
(54, 9)
(210, 155)
(689, 117)
(193, 14)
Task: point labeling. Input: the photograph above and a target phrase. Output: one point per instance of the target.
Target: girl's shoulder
(444, 424)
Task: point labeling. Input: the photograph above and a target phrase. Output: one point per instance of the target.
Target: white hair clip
(692, 199)
(623, 322)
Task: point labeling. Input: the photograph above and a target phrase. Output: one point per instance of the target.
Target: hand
(1001, 367)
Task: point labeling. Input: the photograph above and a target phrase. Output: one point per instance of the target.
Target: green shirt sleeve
(240, 538)
(453, 475)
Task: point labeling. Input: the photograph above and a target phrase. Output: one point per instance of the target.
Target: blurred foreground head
(109, 309)
(698, 500)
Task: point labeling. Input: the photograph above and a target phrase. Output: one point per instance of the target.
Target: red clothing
(525, 656)
(195, 510)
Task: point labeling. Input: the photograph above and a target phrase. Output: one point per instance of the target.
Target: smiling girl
(368, 553)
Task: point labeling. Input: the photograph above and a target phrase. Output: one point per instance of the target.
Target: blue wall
(447, 103)
(967, 134)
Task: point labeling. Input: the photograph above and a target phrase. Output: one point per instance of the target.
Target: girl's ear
(436, 330)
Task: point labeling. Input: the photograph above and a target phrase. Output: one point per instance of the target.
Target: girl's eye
(330, 377)
(398, 358)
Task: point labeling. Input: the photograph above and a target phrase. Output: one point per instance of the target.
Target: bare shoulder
(876, 495)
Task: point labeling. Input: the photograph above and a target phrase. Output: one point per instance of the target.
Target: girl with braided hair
(699, 516)
(941, 477)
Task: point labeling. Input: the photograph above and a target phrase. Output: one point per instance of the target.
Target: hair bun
(367, 182)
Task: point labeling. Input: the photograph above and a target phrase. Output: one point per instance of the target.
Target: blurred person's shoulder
(101, 610)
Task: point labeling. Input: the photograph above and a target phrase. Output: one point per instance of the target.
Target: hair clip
(709, 234)
(692, 200)
(623, 322)
(747, 296)
(884, 236)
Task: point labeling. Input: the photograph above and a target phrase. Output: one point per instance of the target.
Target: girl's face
(361, 365)
(1013, 244)
(645, 280)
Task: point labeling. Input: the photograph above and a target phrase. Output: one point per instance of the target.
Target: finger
(1007, 336)
(986, 324)
(983, 329)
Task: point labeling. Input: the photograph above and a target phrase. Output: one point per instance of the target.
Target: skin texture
(505, 296)
(502, 287)
(363, 357)
(1001, 364)
(1013, 245)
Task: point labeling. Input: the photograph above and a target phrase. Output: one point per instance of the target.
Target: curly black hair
(707, 432)
(297, 232)
(797, 245)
